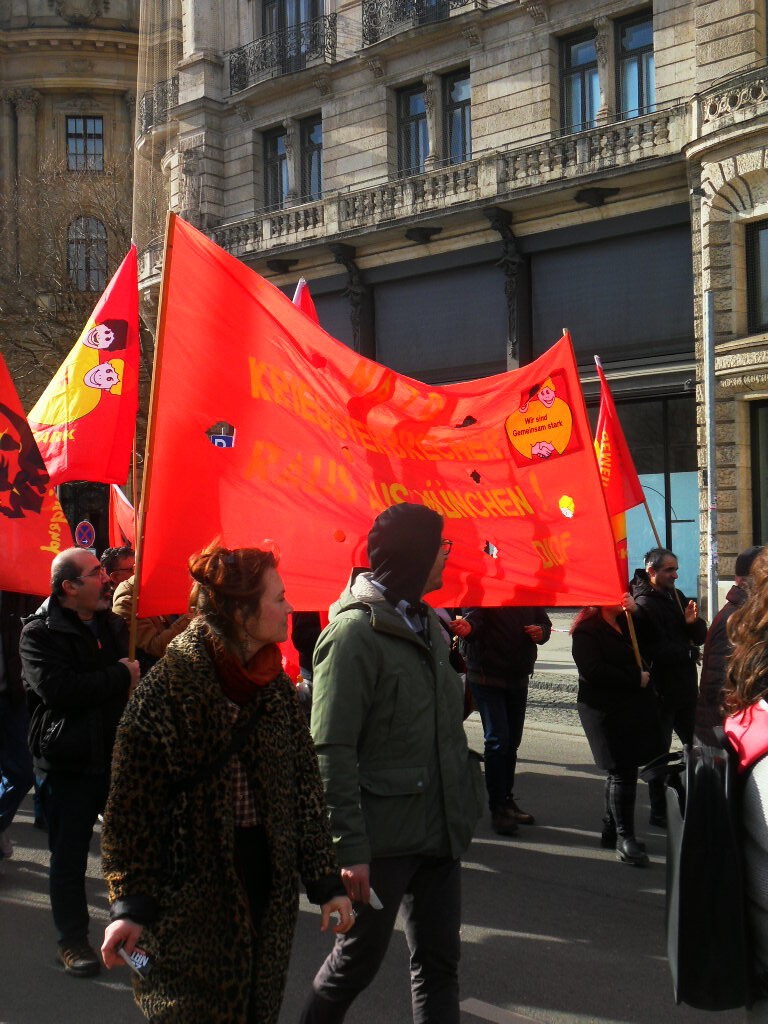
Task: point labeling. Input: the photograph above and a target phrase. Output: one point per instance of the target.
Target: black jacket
(717, 650)
(13, 610)
(620, 718)
(670, 646)
(76, 690)
(498, 645)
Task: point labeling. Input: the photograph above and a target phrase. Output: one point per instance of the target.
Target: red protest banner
(85, 419)
(263, 426)
(33, 527)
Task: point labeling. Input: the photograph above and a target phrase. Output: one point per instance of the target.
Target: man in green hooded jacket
(403, 789)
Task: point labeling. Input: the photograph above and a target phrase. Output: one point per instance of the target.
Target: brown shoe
(520, 816)
(79, 959)
(503, 822)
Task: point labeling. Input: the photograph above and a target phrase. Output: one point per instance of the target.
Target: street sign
(85, 534)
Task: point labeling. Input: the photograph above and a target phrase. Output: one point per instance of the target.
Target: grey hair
(656, 556)
(64, 567)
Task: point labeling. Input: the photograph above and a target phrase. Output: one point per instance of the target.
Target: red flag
(85, 419)
(122, 530)
(621, 485)
(33, 527)
(266, 427)
(303, 299)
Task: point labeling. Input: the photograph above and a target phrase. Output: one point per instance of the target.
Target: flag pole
(145, 480)
(633, 638)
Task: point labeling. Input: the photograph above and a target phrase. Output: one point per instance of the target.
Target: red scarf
(241, 683)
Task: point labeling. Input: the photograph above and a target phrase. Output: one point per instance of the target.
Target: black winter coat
(620, 718)
(498, 645)
(717, 651)
(669, 645)
(76, 690)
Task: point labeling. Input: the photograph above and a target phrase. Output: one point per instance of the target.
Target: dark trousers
(620, 796)
(429, 891)
(502, 710)
(681, 720)
(71, 803)
(16, 776)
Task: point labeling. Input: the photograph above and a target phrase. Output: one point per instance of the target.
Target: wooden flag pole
(633, 638)
(145, 480)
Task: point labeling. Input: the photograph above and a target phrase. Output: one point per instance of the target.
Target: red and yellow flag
(85, 419)
(33, 527)
(621, 485)
(266, 427)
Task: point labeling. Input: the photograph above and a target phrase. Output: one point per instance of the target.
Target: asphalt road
(555, 930)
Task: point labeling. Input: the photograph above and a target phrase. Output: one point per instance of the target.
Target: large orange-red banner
(85, 419)
(33, 527)
(267, 427)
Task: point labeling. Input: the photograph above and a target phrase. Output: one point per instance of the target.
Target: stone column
(433, 104)
(606, 68)
(27, 102)
(292, 160)
(7, 180)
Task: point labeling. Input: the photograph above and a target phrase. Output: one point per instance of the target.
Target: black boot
(629, 851)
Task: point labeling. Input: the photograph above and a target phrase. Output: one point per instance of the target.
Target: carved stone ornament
(322, 82)
(79, 65)
(78, 12)
(537, 10)
(243, 112)
(472, 34)
(375, 66)
(27, 100)
(602, 39)
(429, 91)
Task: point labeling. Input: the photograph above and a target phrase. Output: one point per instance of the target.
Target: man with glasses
(403, 790)
(78, 678)
(119, 564)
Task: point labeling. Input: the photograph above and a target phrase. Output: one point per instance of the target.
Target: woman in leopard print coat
(203, 853)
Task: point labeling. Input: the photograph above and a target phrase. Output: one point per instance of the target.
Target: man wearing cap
(403, 790)
(718, 648)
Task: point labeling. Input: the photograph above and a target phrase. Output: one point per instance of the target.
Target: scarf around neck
(241, 683)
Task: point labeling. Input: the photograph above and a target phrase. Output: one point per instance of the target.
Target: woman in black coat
(618, 711)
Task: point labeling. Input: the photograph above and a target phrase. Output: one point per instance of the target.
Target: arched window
(87, 254)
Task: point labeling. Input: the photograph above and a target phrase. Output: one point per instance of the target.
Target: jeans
(502, 710)
(16, 776)
(429, 891)
(620, 796)
(72, 803)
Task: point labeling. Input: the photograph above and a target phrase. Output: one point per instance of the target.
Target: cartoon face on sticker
(111, 335)
(104, 377)
(567, 506)
(22, 472)
(542, 426)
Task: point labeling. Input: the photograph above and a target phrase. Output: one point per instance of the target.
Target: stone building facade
(67, 112)
(459, 180)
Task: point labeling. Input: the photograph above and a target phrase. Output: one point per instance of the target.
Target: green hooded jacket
(387, 712)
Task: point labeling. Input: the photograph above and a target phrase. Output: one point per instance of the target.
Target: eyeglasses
(446, 545)
(92, 574)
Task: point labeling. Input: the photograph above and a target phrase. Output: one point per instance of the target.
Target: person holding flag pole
(617, 709)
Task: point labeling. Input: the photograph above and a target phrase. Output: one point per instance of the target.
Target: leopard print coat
(176, 849)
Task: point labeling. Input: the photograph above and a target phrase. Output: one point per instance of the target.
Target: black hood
(402, 548)
(640, 585)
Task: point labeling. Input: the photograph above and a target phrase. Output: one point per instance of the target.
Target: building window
(635, 66)
(85, 144)
(412, 137)
(312, 159)
(291, 23)
(275, 169)
(581, 87)
(758, 413)
(87, 254)
(757, 276)
(457, 111)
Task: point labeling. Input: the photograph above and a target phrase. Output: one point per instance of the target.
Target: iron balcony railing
(282, 53)
(382, 18)
(155, 104)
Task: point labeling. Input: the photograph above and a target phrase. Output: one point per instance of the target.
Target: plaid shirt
(245, 806)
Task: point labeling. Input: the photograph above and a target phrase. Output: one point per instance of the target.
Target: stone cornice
(68, 40)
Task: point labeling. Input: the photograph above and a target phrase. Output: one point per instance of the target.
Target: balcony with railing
(734, 99)
(307, 44)
(155, 104)
(486, 180)
(384, 18)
